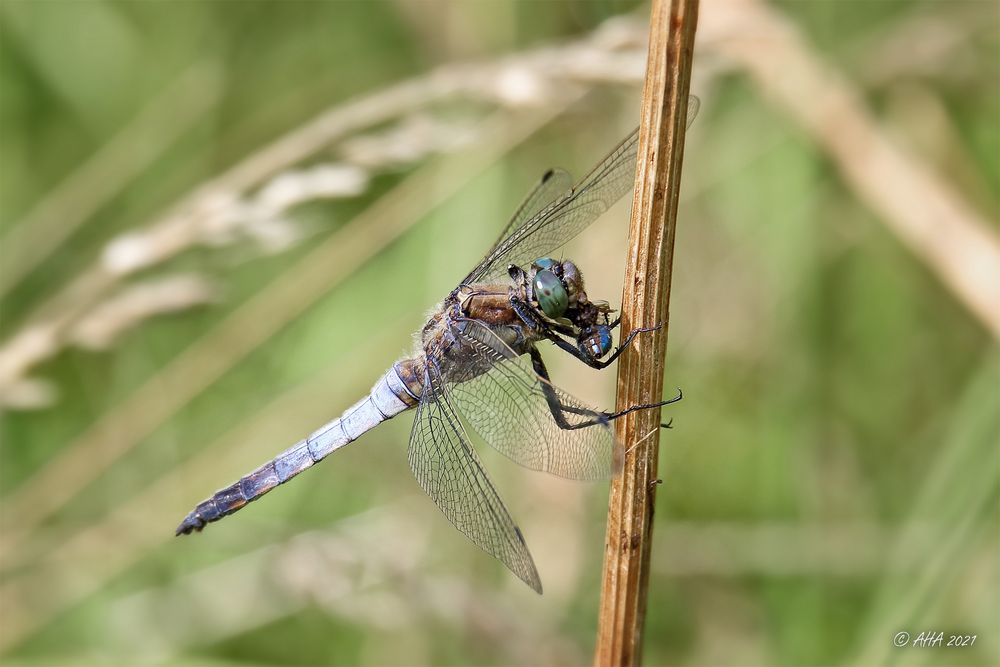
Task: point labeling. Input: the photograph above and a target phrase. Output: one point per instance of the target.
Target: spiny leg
(599, 364)
(611, 416)
(557, 408)
(625, 343)
(550, 329)
(536, 323)
(648, 406)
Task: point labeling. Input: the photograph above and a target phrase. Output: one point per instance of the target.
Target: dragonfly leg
(557, 408)
(550, 330)
(588, 359)
(534, 322)
(647, 406)
(625, 343)
(566, 346)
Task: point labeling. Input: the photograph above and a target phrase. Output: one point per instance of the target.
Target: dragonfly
(477, 366)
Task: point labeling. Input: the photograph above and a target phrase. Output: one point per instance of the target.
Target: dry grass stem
(919, 206)
(645, 303)
(107, 173)
(352, 570)
(142, 523)
(226, 206)
(149, 406)
(102, 326)
(960, 487)
(138, 302)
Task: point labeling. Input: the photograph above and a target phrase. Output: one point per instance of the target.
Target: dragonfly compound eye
(550, 294)
(544, 263)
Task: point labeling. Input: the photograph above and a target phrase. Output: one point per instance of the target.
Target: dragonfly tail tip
(192, 524)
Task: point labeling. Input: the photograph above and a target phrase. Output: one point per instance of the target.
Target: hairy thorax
(488, 303)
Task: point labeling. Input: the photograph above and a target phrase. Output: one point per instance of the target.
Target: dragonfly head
(556, 285)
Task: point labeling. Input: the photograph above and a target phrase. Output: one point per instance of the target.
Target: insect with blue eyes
(477, 365)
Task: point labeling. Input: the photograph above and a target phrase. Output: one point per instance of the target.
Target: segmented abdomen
(396, 391)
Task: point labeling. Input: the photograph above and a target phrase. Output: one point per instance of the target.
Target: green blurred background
(831, 478)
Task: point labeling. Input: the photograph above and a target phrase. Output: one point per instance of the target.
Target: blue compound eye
(550, 294)
(544, 263)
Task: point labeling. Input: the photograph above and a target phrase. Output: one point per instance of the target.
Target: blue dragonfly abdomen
(396, 391)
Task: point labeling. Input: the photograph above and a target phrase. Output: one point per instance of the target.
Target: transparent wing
(448, 469)
(554, 184)
(505, 401)
(567, 216)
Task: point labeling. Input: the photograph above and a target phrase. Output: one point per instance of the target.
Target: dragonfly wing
(448, 469)
(554, 184)
(507, 405)
(564, 218)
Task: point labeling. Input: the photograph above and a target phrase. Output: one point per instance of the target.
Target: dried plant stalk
(921, 207)
(645, 302)
(238, 202)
